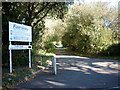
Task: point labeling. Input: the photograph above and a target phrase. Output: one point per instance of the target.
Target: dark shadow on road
(78, 72)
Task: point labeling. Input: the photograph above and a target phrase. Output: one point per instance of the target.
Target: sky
(112, 2)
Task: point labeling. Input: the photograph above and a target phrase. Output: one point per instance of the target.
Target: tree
(33, 13)
(85, 33)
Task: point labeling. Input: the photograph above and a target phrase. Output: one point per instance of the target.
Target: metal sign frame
(20, 40)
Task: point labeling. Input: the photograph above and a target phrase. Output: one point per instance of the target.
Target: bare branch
(40, 10)
(40, 18)
(43, 15)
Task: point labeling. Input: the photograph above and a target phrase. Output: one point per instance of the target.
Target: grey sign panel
(20, 32)
(19, 47)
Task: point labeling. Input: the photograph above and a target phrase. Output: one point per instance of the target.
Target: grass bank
(22, 74)
(94, 55)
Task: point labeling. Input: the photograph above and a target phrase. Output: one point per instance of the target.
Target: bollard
(54, 65)
(41, 61)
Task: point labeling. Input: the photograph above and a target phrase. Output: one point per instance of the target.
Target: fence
(46, 61)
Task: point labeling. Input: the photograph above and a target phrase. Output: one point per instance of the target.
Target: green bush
(84, 31)
(50, 47)
(113, 50)
(20, 58)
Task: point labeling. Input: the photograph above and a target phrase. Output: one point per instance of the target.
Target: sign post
(29, 57)
(10, 59)
(20, 33)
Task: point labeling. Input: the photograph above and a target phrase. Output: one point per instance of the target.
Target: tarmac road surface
(78, 72)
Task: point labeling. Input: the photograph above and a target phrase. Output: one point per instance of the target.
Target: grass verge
(95, 55)
(17, 76)
(21, 74)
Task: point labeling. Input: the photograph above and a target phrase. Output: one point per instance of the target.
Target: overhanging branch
(40, 18)
(37, 13)
(34, 24)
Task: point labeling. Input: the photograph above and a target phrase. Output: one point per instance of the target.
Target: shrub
(84, 31)
(113, 50)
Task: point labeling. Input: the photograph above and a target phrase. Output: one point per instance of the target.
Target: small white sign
(19, 47)
(20, 32)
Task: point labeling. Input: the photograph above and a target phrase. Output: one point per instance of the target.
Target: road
(78, 72)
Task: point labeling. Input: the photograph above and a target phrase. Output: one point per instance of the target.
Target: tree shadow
(78, 72)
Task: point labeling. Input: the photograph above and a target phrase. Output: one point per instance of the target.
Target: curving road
(78, 72)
